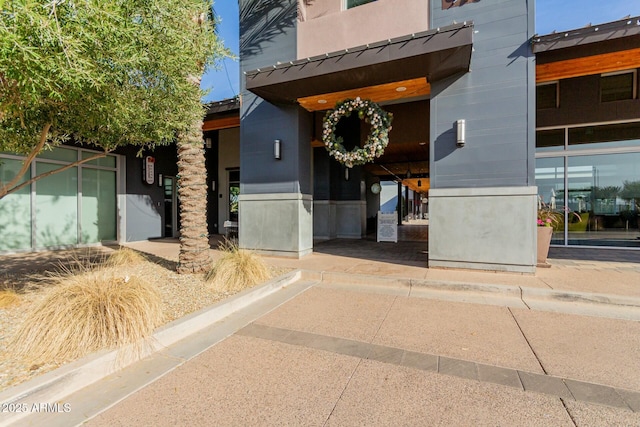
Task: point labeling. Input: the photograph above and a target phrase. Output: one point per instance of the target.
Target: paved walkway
(339, 356)
(363, 345)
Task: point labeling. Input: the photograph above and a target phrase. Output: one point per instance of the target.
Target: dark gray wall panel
(580, 103)
(145, 202)
(262, 124)
(321, 174)
(328, 178)
(268, 36)
(267, 33)
(496, 98)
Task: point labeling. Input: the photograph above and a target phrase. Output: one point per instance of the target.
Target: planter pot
(544, 241)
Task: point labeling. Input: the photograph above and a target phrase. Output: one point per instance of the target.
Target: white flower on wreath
(378, 137)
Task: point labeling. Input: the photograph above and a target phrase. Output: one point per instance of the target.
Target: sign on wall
(149, 170)
(387, 227)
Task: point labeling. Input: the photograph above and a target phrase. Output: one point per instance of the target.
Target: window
(550, 140)
(234, 193)
(355, 3)
(604, 136)
(547, 95)
(618, 86)
(74, 206)
(593, 171)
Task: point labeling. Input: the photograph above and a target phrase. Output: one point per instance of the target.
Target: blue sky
(558, 15)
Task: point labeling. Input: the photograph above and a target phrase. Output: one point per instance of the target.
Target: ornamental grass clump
(86, 311)
(8, 297)
(237, 269)
(124, 257)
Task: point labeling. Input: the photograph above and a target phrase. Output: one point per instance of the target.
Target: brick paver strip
(458, 368)
(386, 354)
(424, 362)
(595, 393)
(568, 389)
(545, 384)
(497, 375)
(632, 399)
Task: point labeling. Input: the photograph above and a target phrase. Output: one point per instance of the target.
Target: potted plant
(549, 220)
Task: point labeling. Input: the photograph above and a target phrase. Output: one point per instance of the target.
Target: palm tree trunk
(192, 190)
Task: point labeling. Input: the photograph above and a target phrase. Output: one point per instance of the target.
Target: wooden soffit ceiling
(595, 64)
(378, 93)
(222, 123)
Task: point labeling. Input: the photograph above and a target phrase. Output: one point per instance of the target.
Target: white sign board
(149, 169)
(388, 227)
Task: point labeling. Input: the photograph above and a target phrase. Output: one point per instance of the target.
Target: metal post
(406, 199)
(399, 208)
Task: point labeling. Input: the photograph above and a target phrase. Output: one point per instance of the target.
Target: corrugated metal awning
(433, 54)
(590, 34)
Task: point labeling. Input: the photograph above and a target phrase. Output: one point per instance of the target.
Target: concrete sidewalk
(339, 356)
(385, 340)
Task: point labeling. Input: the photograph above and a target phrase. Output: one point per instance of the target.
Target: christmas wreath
(377, 139)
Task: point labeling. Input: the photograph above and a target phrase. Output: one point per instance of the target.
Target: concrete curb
(582, 303)
(53, 386)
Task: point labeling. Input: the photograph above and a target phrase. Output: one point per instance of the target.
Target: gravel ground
(29, 274)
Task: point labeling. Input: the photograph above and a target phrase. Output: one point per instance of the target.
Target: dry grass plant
(236, 269)
(124, 257)
(86, 311)
(8, 297)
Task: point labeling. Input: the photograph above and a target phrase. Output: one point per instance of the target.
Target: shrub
(86, 312)
(237, 269)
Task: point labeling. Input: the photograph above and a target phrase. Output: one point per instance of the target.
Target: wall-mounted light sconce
(346, 174)
(277, 153)
(207, 142)
(409, 171)
(213, 186)
(160, 183)
(419, 183)
(461, 131)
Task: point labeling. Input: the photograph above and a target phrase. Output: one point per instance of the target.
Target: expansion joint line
(564, 405)
(527, 341)
(375, 335)
(346, 386)
(522, 299)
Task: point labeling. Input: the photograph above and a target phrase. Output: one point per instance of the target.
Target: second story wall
(580, 102)
(496, 99)
(323, 25)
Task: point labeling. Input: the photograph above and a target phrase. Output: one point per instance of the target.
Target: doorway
(170, 207)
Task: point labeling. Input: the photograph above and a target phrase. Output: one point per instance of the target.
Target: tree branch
(5, 189)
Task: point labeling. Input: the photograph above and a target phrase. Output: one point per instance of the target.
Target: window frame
(634, 90)
(557, 85)
(345, 4)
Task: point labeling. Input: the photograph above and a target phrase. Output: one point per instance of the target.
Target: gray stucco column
(275, 204)
(483, 195)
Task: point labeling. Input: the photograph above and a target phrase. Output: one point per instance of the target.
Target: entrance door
(234, 192)
(170, 207)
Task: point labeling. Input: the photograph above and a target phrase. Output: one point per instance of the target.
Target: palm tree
(194, 254)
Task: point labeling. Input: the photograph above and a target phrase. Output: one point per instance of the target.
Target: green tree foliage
(104, 73)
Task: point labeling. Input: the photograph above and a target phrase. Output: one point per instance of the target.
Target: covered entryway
(397, 75)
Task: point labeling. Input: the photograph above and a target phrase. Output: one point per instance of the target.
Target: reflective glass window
(15, 210)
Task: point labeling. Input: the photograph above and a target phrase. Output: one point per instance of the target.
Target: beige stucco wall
(324, 27)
